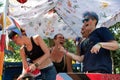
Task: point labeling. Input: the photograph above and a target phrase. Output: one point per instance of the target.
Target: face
(88, 26)
(59, 39)
(16, 39)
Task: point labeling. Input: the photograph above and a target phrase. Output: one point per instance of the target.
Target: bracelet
(36, 64)
(66, 52)
(99, 44)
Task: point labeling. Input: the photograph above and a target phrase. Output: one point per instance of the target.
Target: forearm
(109, 45)
(75, 57)
(24, 61)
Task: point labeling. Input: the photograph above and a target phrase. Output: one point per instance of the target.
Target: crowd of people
(93, 51)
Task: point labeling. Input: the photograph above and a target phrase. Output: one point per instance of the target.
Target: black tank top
(36, 51)
(61, 66)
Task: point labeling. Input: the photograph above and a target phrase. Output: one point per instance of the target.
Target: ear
(94, 21)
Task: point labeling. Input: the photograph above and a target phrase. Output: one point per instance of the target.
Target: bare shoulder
(36, 37)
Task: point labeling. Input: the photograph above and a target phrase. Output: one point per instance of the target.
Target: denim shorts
(48, 73)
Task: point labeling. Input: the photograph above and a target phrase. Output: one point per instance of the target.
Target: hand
(95, 49)
(32, 67)
(62, 49)
(20, 77)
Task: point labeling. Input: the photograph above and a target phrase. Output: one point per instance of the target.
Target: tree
(115, 29)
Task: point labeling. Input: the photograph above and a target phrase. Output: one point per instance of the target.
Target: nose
(83, 27)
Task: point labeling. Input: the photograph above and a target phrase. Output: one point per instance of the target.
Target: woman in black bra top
(37, 51)
(61, 62)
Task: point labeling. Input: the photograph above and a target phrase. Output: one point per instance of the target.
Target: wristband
(36, 64)
(99, 44)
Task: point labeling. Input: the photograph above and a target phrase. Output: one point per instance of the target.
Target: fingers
(31, 68)
(95, 49)
(20, 77)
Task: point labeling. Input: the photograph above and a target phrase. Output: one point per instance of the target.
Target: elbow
(117, 46)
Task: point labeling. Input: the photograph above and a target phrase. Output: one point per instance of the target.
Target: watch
(36, 64)
(99, 45)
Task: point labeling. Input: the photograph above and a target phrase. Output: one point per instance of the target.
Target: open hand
(95, 49)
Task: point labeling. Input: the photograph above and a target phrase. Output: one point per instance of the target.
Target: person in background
(95, 49)
(77, 42)
(39, 54)
(62, 62)
(78, 64)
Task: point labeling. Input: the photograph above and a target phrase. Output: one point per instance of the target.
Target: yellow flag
(8, 21)
(0, 77)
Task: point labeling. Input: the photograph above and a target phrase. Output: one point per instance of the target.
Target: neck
(28, 44)
(93, 28)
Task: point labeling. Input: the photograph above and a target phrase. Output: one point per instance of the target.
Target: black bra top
(61, 66)
(36, 51)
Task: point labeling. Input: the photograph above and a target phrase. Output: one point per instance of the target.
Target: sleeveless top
(61, 66)
(36, 51)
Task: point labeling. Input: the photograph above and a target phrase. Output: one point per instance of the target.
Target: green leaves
(13, 56)
(115, 29)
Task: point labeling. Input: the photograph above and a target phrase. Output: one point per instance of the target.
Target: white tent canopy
(35, 18)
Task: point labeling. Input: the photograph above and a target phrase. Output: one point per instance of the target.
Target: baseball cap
(91, 14)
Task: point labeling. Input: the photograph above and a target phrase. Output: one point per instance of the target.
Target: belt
(49, 65)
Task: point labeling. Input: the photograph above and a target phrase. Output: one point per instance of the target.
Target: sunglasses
(14, 37)
(87, 19)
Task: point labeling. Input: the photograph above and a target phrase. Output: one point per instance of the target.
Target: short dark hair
(12, 34)
(92, 15)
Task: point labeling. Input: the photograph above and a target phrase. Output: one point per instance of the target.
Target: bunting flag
(22, 1)
(17, 27)
(11, 24)
(2, 46)
(8, 21)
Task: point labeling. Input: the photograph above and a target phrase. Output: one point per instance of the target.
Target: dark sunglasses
(87, 19)
(14, 37)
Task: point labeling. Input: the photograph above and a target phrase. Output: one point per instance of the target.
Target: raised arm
(75, 57)
(72, 55)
